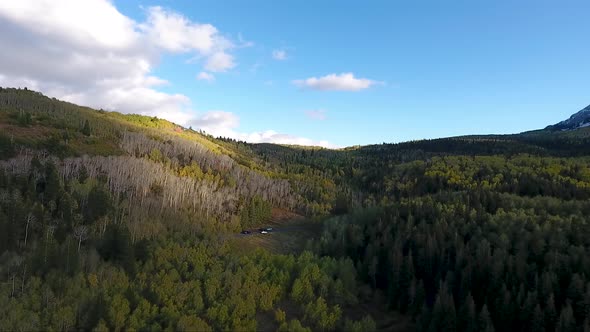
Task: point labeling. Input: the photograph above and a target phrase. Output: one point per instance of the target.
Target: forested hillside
(125, 222)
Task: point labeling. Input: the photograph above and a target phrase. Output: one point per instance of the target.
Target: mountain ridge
(580, 119)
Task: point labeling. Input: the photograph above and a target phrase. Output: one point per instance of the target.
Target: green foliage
(116, 246)
(365, 325)
(86, 128)
(117, 312)
(24, 119)
(52, 183)
(485, 321)
(256, 212)
(7, 149)
(294, 325)
(156, 155)
(99, 204)
(191, 323)
(193, 170)
(280, 316)
(321, 315)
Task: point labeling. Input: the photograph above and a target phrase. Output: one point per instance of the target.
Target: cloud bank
(89, 53)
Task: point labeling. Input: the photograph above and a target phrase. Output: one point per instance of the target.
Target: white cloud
(220, 62)
(216, 122)
(77, 20)
(335, 82)
(271, 136)
(316, 114)
(224, 124)
(89, 53)
(175, 33)
(279, 55)
(205, 76)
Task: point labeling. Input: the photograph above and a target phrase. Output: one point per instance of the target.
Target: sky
(329, 73)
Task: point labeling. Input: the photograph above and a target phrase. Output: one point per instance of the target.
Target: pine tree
(586, 326)
(419, 298)
(467, 315)
(485, 321)
(405, 277)
(550, 314)
(537, 320)
(86, 128)
(567, 322)
(423, 320)
(99, 204)
(443, 313)
(505, 310)
(575, 293)
(52, 183)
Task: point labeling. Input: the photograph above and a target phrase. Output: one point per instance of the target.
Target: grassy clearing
(290, 234)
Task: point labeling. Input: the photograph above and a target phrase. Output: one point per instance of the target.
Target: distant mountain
(578, 120)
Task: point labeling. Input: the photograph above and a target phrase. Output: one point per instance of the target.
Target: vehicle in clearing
(263, 232)
(269, 229)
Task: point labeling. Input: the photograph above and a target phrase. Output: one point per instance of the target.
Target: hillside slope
(179, 168)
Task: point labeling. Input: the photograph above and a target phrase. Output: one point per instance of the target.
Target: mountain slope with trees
(124, 222)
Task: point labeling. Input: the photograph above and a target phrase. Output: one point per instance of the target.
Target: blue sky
(435, 68)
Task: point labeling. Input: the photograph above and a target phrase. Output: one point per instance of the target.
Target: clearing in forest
(290, 234)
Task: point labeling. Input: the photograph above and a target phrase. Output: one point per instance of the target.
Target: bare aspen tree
(4, 196)
(14, 263)
(30, 219)
(22, 288)
(81, 233)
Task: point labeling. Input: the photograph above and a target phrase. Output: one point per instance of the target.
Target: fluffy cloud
(175, 33)
(335, 82)
(205, 76)
(88, 53)
(218, 123)
(220, 62)
(279, 55)
(316, 114)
